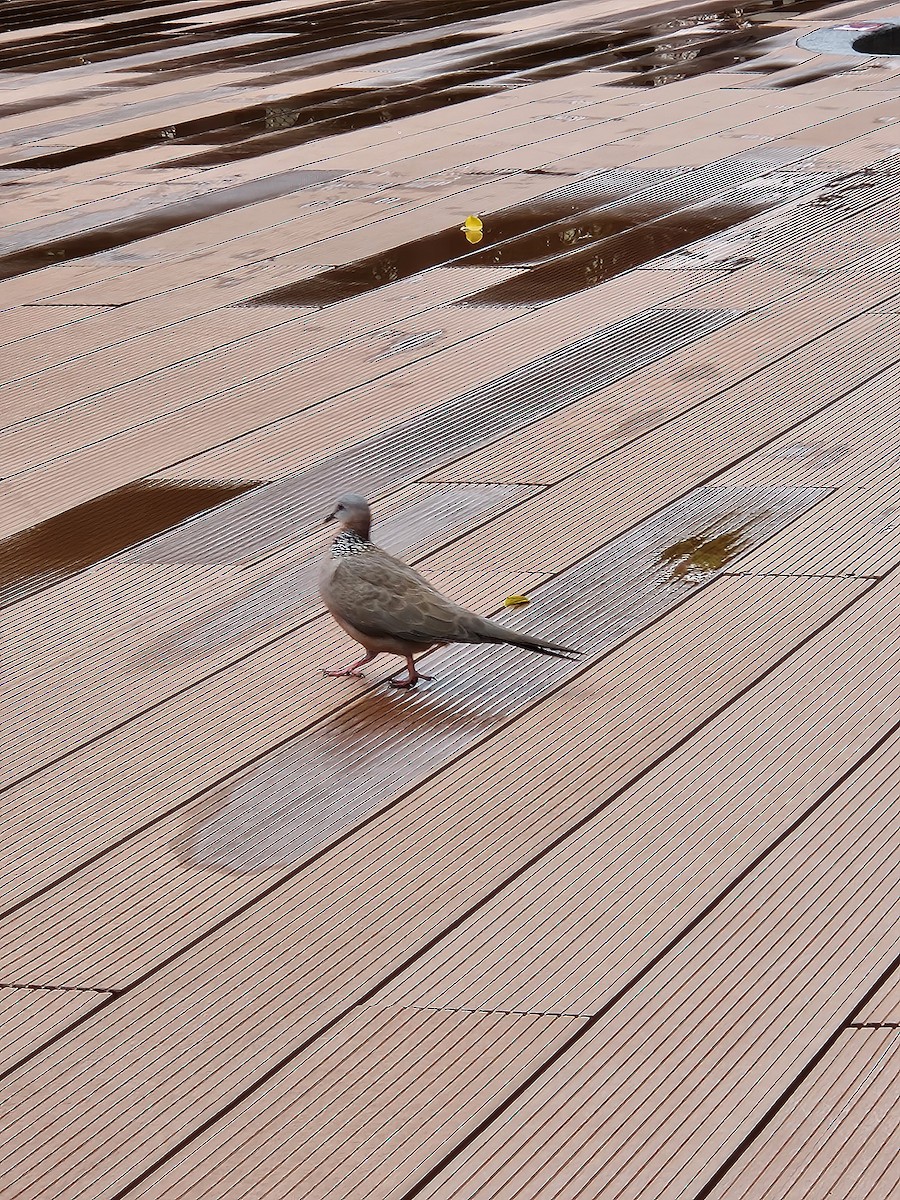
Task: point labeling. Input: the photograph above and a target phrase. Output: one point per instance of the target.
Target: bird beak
(329, 518)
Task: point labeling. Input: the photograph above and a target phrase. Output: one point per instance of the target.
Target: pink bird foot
(351, 672)
(412, 677)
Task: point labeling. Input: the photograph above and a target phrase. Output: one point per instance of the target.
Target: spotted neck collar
(349, 542)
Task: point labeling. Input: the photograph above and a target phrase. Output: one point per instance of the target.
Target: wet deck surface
(616, 928)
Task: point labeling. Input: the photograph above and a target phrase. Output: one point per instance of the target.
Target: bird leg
(351, 672)
(413, 676)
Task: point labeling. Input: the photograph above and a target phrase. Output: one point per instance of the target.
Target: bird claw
(349, 673)
(409, 683)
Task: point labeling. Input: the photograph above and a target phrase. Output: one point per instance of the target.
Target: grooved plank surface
(856, 532)
(850, 444)
(648, 867)
(836, 1137)
(666, 1086)
(30, 1018)
(413, 446)
(709, 437)
(598, 928)
(775, 348)
(26, 322)
(97, 467)
(397, 882)
(884, 1006)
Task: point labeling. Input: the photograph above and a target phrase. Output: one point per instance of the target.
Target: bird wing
(383, 597)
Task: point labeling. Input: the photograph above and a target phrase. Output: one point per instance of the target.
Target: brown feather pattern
(382, 597)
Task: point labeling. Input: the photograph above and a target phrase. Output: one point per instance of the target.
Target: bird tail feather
(489, 631)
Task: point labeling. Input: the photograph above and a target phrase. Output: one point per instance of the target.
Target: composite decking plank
(835, 1135)
(30, 1018)
(467, 866)
(299, 889)
(665, 1087)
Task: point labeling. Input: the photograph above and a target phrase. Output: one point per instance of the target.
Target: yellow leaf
(515, 601)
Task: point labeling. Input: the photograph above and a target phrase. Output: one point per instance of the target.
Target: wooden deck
(616, 929)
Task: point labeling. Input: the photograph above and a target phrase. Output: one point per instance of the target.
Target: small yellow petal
(473, 223)
(515, 601)
(473, 235)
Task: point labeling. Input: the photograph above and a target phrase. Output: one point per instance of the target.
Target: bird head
(353, 512)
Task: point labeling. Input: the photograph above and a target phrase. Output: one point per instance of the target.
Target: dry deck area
(541, 930)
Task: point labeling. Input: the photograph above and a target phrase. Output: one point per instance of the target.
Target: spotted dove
(389, 608)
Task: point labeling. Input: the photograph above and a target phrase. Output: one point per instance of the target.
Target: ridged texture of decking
(620, 927)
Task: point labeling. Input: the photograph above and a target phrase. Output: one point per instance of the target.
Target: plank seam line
(795, 575)
(309, 358)
(157, 10)
(516, 316)
(114, 994)
(587, 1026)
(848, 1023)
(481, 521)
(519, 429)
(314, 724)
(57, 987)
(377, 189)
(832, 179)
(382, 984)
(327, 716)
(873, 1025)
(818, 184)
(108, 998)
(494, 482)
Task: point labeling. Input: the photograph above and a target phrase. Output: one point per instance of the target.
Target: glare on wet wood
(598, 304)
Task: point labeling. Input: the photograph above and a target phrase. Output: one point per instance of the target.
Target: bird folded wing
(382, 597)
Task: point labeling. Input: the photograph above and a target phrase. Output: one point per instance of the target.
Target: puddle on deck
(640, 242)
(531, 231)
(82, 536)
(570, 240)
(469, 62)
(257, 39)
(323, 114)
(710, 550)
(566, 245)
(308, 115)
(170, 216)
(479, 62)
(36, 103)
